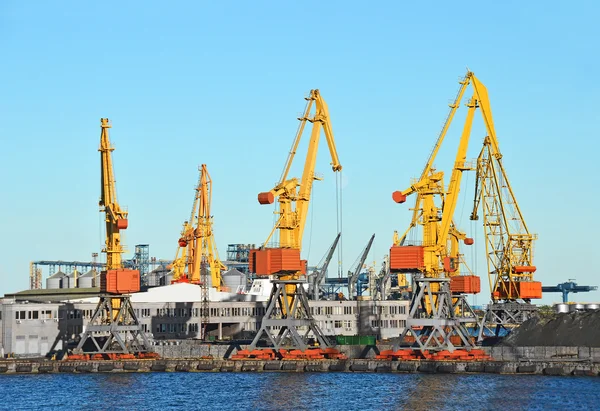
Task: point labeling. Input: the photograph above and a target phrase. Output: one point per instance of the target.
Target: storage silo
(154, 277)
(55, 280)
(87, 280)
(562, 308)
(234, 280)
(576, 307)
(166, 278)
(70, 280)
(592, 306)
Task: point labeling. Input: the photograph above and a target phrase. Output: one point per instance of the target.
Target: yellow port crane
(508, 242)
(197, 251)
(288, 309)
(114, 327)
(438, 309)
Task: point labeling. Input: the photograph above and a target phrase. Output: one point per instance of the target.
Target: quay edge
(555, 368)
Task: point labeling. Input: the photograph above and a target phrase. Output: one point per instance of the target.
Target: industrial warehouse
(266, 303)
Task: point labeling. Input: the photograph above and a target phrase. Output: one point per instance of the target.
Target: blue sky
(222, 83)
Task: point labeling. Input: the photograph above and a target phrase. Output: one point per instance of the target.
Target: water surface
(297, 391)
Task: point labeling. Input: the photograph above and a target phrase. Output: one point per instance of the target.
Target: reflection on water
(297, 391)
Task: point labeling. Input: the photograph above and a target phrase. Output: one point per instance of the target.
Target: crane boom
(291, 222)
(464, 83)
(294, 196)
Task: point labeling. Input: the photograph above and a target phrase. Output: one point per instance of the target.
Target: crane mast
(509, 244)
(115, 217)
(197, 245)
(114, 327)
(293, 195)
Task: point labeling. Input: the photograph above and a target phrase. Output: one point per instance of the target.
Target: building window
(33, 315)
(20, 315)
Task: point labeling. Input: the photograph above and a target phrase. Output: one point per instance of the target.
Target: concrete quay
(13, 366)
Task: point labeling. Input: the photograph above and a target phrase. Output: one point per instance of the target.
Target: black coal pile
(569, 330)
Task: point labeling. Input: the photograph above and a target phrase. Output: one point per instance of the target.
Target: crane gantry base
(504, 316)
(295, 327)
(125, 335)
(443, 328)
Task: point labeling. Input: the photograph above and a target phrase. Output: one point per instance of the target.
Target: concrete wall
(545, 353)
(30, 329)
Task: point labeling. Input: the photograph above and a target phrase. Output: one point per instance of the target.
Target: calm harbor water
(302, 391)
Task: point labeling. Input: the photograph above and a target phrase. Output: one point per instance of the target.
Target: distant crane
(568, 287)
(320, 272)
(354, 274)
(197, 252)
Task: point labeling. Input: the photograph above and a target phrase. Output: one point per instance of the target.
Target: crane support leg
(443, 326)
(295, 327)
(205, 303)
(502, 317)
(114, 330)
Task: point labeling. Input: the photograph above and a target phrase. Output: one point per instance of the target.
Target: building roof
(58, 274)
(233, 271)
(92, 273)
(54, 294)
(172, 293)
